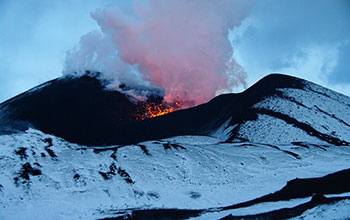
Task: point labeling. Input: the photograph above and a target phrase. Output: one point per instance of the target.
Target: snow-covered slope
(311, 113)
(41, 172)
(237, 156)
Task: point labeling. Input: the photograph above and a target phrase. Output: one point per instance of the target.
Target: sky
(304, 38)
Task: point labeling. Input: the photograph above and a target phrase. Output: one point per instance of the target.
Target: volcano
(83, 111)
(278, 150)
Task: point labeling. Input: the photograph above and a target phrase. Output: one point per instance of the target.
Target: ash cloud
(179, 46)
(305, 38)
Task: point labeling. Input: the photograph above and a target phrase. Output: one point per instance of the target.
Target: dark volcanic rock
(81, 110)
(335, 183)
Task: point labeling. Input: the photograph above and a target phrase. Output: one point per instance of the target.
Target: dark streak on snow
(175, 146)
(102, 149)
(179, 214)
(332, 116)
(76, 176)
(286, 213)
(26, 171)
(307, 145)
(47, 148)
(144, 149)
(297, 156)
(114, 155)
(280, 94)
(112, 172)
(22, 153)
(159, 214)
(301, 144)
(48, 141)
(303, 126)
(334, 183)
(293, 154)
(50, 152)
(125, 175)
(109, 174)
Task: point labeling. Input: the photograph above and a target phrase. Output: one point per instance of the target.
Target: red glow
(150, 109)
(180, 46)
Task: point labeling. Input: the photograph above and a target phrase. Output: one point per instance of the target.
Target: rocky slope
(278, 150)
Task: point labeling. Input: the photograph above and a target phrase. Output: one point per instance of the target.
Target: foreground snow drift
(41, 172)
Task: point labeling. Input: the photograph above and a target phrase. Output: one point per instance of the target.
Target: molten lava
(150, 109)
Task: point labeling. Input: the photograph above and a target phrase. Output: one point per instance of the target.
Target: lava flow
(150, 109)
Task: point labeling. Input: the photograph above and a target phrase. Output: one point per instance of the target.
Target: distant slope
(285, 109)
(277, 109)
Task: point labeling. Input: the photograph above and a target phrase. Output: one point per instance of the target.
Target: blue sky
(305, 38)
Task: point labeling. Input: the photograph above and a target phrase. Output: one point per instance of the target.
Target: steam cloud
(180, 46)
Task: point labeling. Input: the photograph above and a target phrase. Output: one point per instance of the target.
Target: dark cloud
(309, 39)
(341, 73)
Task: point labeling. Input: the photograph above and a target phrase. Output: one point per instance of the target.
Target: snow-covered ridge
(308, 113)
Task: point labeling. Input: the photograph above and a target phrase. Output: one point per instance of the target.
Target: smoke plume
(179, 46)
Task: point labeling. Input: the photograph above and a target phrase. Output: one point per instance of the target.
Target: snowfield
(183, 172)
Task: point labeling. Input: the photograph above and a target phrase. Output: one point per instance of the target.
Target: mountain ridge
(278, 150)
(81, 110)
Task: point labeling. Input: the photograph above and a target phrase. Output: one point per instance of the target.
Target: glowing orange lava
(150, 109)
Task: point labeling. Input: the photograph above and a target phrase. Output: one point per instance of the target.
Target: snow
(254, 209)
(271, 206)
(207, 173)
(337, 211)
(271, 130)
(315, 111)
(224, 131)
(326, 111)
